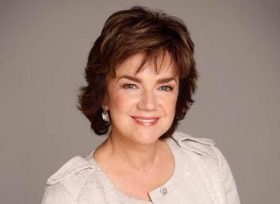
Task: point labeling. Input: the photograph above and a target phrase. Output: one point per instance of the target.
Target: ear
(105, 103)
(105, 108)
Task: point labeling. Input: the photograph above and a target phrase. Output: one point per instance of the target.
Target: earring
(105, 116)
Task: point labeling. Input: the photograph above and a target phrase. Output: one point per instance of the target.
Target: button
(163, 191)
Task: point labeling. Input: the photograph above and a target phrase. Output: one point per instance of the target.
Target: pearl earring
(105, 115)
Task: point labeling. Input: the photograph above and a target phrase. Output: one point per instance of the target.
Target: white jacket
(201, 176)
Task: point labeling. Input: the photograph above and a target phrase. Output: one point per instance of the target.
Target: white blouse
(201, 176)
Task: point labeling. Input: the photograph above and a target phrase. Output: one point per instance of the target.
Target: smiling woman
(142, 105)
(141, 76)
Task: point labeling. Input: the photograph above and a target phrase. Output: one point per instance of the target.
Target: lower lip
(145, 123)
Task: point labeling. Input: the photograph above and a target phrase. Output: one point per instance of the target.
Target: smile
(146, 121)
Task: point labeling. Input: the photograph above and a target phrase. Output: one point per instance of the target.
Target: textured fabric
(201, 175)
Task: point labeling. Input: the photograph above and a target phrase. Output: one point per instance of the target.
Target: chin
(146, 137)
(141, 134)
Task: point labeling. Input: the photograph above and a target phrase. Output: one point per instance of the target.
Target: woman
(141, 76)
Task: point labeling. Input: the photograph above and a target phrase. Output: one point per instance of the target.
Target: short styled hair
(132, 31)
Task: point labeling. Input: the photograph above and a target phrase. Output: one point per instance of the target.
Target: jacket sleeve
(57, 194)
(227, 179)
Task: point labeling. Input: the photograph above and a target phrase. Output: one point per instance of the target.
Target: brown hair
(129, 32)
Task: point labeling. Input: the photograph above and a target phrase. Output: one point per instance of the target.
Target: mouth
(145, 121)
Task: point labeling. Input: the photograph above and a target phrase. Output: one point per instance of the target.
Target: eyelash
(129, 86)
(169, 88)
(133, 86)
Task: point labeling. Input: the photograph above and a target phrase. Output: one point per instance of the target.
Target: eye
(129, 86)
(166, 88)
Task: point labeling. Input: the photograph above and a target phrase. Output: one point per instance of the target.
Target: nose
(148, 101)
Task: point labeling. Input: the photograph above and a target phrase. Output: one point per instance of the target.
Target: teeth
(145, 120)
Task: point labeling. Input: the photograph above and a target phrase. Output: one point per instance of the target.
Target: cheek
(171, 107)
(169, 102)
(120, 101)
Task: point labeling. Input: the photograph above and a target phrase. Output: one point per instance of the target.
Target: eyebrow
(135, 79)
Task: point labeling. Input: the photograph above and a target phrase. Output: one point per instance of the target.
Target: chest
(195, 183)
(138, 184)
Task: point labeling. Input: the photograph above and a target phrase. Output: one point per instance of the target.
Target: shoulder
(208, 155)
(68, 181)
(204, 147)
(212, 165)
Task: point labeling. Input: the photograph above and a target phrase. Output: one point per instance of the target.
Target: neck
(134, 155)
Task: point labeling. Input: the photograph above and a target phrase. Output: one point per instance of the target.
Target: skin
(142, 108)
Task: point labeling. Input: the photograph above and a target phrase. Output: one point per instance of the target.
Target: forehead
(160, 64)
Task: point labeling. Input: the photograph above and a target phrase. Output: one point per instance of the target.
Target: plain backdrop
(43, 51)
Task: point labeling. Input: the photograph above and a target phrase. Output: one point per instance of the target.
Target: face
(142, 105)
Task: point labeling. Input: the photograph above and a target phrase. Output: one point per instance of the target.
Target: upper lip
(145, 117)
